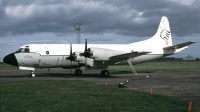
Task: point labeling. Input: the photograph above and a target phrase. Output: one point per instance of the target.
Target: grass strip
(82, 96)
(150, 67)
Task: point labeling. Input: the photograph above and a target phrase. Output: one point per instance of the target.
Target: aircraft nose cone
(10, 59)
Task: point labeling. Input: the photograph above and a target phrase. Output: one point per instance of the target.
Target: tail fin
(162, 37)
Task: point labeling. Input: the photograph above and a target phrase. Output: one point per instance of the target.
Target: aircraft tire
(102, 73)
(106, 73)
(75, 72)
(78, 72)
(32, 75)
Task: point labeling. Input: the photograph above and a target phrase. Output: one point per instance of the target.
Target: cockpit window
(20, 50)
(26, 49)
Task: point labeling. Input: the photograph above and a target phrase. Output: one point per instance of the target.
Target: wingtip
(192, 42)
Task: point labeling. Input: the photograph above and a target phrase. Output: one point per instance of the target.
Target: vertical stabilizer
(163, 38)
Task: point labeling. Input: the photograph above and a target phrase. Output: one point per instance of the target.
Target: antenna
(78, 28)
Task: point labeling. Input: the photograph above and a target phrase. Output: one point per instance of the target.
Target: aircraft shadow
(61, 75)
(40, 74)
(65, 75)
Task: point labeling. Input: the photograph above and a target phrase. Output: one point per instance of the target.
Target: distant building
(189, 58)
(178, 59)
(166, 59)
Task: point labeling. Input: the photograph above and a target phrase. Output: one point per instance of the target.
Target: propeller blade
(71, 66)
(86, 52)
(70, 56)
(85, 63)
(85, 45)
(70, 49)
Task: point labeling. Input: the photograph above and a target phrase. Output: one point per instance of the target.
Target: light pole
(78, 28)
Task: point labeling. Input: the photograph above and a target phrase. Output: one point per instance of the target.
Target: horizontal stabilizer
(178, 46)
(128, 55)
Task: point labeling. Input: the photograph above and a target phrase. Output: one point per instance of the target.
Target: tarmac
(183, 85)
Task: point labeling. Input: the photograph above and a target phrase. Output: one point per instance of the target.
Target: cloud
(98, 16)
(184, 2)
(127, 18)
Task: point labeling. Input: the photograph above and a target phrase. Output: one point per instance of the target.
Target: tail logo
(164, 34)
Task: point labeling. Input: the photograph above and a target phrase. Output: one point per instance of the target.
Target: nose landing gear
(32, 74)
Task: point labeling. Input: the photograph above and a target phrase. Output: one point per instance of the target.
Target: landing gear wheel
(78, 72)
(32, 75)
(102, 73)
(105, 73)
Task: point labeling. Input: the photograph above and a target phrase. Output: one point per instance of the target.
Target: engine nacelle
(81, 59)
(102, 54)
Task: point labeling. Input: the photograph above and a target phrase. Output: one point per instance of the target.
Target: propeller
(86, 54)
(71, 57)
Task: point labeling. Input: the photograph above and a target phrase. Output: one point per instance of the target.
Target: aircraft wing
(128, 55)
(178, 46)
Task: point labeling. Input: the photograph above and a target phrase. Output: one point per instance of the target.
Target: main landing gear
(105, 73)
(78, 72)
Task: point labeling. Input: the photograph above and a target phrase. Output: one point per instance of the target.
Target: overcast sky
(103, 21)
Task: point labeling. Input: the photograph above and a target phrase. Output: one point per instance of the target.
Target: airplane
(95, 56)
